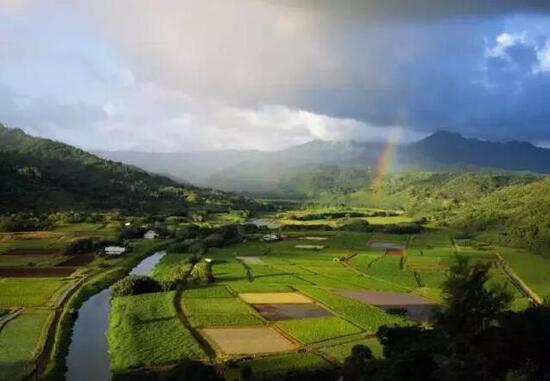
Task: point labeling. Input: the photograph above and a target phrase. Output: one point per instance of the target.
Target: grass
(218, 312)
(309, 331)
(145, 331)
(215, 306)
(367, 317)
(279, 364)
(224, 320)
(20, 341)
(29, 292)
(341, 351)
(208, 292)
(533, 269)
(25, 260)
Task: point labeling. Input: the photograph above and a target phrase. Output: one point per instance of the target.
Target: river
(88, 358)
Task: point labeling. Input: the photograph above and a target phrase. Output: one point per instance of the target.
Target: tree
(357, 364)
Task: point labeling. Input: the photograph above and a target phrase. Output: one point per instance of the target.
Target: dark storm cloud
(422, 10)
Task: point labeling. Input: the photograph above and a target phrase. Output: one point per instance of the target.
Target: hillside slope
(518, 215)
(42, 174)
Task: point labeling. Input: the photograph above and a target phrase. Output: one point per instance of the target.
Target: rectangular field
(309, 331)
(275, 297)
(29, 292)
(248, 340)
(145, 331)
(20, 340)
(36, 272)
(282, 311)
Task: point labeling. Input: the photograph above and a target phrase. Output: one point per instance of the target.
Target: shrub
(80, 246)
(135, 285)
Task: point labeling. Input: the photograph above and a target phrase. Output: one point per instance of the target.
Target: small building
(271, 237)
(151, 234)
(115, 250)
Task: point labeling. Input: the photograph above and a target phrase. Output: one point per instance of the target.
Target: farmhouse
(151, 234)
(114, 250)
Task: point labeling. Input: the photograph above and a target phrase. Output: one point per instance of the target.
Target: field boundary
(517, 281)
(208, 349)
(9, 317)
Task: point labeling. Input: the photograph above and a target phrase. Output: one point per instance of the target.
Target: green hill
(42, 174)
(518, 215)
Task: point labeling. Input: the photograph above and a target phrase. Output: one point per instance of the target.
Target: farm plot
(284, 311)
(33, 251)
(145, 331)
(314, 238)
(219, 312)
(20, 340)
(387, 268)
(367, 317)
(384, 245)
(248, 340)
(309, 331)
(275, 297)
(273, 365)
(29, 292)
(36, 272)
(342, 350)
(416, 307)
(27, 260)
(310, 247)
(250, 260)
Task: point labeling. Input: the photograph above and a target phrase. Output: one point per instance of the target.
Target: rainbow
(384, 162)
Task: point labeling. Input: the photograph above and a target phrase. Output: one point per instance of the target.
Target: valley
(299, 301)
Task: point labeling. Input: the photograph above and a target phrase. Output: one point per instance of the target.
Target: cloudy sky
(184, 75)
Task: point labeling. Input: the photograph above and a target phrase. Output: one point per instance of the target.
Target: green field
(145, 331)
(278, 364)
(309, 331)
(29, 292)
(20, 341)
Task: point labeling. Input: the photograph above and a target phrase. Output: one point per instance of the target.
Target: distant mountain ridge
(452, 148)
(260, 171)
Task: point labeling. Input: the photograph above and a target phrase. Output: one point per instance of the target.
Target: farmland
(37, 279)
(290, 307)
(302, 301)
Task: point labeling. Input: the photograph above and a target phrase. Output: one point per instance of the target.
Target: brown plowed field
(36, 272)
(33, 252)
(283, 311)
(248, 340)
(78, 260)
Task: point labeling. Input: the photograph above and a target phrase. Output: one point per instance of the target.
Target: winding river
(88, 358)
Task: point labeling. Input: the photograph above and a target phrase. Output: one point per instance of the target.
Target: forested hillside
(518, 215)
(41, 174)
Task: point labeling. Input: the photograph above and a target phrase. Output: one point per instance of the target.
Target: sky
(190, 75)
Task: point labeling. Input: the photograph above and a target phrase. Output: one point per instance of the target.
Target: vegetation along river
(88, 358)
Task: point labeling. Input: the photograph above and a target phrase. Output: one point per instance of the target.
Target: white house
(114, 250)
(151, 234)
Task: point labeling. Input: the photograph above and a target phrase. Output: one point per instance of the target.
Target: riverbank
(51, 364)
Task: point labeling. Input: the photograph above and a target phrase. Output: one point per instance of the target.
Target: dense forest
(44, 175)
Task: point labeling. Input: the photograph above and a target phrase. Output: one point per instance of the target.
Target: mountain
(450, 148)
(204, 167)
(283, 171)
(516, 215)
(42, 174)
